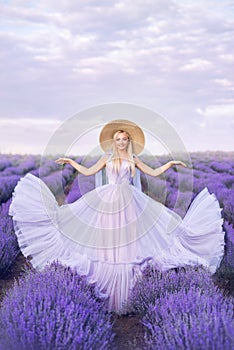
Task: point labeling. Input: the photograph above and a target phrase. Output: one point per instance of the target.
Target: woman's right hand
(178, 162)
(63, 161)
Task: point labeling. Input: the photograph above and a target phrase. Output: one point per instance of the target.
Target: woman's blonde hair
(115, 155)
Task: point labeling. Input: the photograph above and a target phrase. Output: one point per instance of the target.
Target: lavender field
(184, 308)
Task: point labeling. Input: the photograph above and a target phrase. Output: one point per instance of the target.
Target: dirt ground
(129, 332)
(13, 274)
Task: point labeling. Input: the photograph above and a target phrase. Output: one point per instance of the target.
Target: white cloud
(228, 58)
(218, 111)
(218, 117)
(225, 83)
(197, 64)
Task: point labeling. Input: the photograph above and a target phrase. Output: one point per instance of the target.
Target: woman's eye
(125, 139)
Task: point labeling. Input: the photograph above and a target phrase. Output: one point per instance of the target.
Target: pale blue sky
(61, 57)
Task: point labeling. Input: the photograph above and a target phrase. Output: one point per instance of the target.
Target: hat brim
(135, 132)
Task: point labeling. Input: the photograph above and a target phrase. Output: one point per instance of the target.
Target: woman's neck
(123, 154)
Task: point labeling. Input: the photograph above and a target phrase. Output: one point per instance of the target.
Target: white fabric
(102, 179)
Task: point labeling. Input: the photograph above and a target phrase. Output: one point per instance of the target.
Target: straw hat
(135, 132)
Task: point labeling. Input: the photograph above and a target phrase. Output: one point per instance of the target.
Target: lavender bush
(225, 274)
(9, 249)
(154, 283)
(4, 163)
(54, 309)
(57, 178)
(7, 185)
(221, 166)
(21, 167)
(154, 187)
(229, 256)
(56, 181)
(81, 184)
(11, 170)
(47, 166)
(74, 192)
(190, 320)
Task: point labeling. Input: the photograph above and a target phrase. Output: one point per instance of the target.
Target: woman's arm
(82, 169)
(158, 171)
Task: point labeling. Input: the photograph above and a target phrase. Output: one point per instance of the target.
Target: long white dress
(111, 232)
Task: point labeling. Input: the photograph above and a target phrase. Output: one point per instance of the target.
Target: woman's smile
(122, 142)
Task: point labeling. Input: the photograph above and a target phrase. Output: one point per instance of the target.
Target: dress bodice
(124, 174)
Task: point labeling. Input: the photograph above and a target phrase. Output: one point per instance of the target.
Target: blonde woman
(113, 231)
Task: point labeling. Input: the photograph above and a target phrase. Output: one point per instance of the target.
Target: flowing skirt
(112, 232)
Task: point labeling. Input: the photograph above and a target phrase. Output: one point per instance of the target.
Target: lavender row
(177, 187)
(21, 165)
(54, 309)
(18, 164)
(9, 248)
(58, 180)
(227, 265)
(81, 184)
(154, 283)
(7, 185)
(51, 173)
(182, 309)
(192, 319)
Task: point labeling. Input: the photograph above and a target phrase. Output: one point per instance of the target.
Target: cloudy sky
(175, 57)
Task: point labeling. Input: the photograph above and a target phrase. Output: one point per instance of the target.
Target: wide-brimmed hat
(135, 132)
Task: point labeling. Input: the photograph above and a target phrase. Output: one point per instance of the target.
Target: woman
(112, 232)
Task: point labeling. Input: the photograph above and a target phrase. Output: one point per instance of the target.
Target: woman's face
(121, 141)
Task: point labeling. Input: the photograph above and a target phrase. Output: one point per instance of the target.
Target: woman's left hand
(178, 162)
(63, 161)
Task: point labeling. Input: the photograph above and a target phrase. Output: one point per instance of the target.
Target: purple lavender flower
(7, 185)
(154, 283)
(74, 192)
(9, 248)
(54, 309)
(4, 163)
(228, 261)
(190, 319)
(81, 184)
